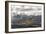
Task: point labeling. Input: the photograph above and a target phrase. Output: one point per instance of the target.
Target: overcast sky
(29, 12)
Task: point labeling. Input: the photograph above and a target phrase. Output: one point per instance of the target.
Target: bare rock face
(22, 20)
(25, 22)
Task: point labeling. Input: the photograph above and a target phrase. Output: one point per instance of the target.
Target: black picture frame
(7, 12)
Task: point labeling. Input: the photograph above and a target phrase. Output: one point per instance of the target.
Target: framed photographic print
(24, 16)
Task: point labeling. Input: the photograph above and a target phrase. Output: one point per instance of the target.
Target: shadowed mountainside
(24, 21)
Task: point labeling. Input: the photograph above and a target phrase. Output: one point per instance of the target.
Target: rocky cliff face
(26, 21)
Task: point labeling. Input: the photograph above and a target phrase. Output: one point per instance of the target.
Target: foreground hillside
(25, 21)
